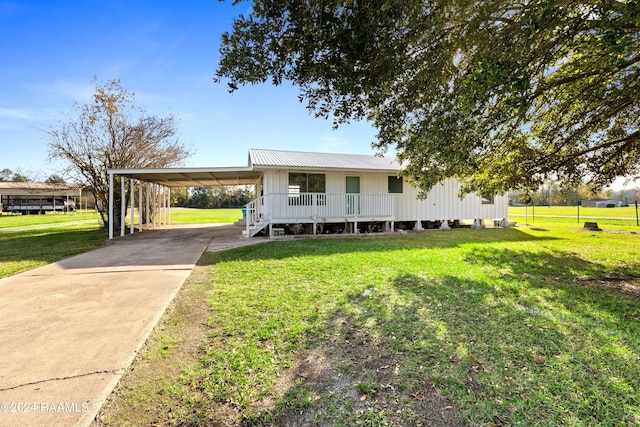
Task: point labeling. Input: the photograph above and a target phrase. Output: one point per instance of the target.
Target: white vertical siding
(441, 203)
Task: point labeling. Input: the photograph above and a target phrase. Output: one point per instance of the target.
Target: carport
(154, 186)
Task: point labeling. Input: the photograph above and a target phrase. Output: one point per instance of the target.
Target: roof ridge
(307, 159)
(316, 152)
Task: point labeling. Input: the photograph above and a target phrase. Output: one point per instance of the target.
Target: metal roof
(38, 189)
(260, 158)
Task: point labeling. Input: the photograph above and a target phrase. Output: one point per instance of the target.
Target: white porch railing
(254, 216)
(323, 206)
(320, 207)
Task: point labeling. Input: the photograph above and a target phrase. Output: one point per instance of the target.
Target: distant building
(602, 203)
(38, 197)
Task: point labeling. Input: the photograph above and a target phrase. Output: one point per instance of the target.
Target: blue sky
(166, 52)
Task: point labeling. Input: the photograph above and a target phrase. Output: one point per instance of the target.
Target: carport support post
(147, 207)
(110, 213)
(133, 194)
(155, 205)
(140, 206)
(123, 207)
(152, 205)
(169, 205)
(160, 205)
(165, 200)
(163, 203)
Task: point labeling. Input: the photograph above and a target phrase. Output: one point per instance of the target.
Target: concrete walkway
(69, 330)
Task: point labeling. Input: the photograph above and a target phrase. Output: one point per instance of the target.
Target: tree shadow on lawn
(350, 374)
(519, 344)
(46, 246)
(511, 349)
(556, 270)
(459, 351)
(431, 239)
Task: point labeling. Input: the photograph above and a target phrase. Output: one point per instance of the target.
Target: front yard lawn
(523, 326)
(30, 241)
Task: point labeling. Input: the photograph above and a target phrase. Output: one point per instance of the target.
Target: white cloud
(16, 113)
(62, 90)
(22, 119)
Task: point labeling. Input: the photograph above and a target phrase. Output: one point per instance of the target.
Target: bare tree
(111, 132)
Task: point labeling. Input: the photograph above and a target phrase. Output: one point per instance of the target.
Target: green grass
(9, 220)
(572, 211)
(205, 216)
(31, 241)
(621, 219)
(506, 323)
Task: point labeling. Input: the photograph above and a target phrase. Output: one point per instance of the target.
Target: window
(306, 183)
(487, 199)
(395, 184)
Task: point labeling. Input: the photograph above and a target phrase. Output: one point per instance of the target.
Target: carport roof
(260, 160)
(193, 177)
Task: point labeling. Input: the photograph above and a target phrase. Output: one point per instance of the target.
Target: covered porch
(317, 209)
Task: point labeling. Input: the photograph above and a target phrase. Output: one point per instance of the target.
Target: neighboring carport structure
(160, 181)
(32, 197)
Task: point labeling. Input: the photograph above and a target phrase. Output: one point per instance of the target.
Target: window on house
(487, 199)
(306, 183)
(395, 184)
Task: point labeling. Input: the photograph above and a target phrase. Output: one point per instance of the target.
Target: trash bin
(244, 213)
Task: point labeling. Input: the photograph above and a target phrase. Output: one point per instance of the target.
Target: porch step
(254, 229)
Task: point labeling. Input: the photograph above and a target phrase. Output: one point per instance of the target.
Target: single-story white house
(322, 192)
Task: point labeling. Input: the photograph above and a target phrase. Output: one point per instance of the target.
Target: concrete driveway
(69, 330)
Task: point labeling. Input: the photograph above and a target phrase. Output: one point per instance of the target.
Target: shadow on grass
(457, 351)
(516, 350)
(546, 269)
(511, 342)
(432, 239)
(47, 245)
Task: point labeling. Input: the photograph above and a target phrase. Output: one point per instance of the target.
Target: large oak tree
(499, 94)
(112, 132)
